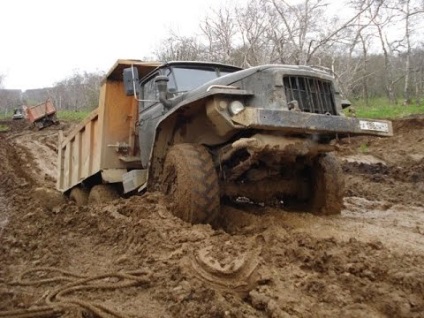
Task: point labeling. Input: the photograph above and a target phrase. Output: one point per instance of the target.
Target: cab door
(150, 112)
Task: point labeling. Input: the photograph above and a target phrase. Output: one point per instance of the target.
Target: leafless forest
(375, 48)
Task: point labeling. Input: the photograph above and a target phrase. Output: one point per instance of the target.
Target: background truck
(41, 115)
(200, 132)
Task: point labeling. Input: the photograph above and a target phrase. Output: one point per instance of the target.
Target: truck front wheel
(190, 182)
(327, 186)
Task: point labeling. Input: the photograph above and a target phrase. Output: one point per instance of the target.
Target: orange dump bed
(94, 146)
(37, 112)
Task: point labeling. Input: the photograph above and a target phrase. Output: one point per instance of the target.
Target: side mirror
(162, 84)
(345, 103)
(131, 80)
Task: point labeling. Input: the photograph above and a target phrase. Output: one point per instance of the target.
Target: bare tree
(80, 90)
(220, 30)
(418, 73)
(2, 77)
(307, 27)
(253, 25)
(180, 48)
(360, 43)
(10, 98)
(410, 11)
(371, 51)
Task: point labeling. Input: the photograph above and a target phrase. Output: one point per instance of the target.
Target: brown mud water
(133, 258)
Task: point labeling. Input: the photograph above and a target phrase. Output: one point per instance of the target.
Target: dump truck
(203, 132)
(41, 115)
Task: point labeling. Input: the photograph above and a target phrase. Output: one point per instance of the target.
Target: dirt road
(132, 258)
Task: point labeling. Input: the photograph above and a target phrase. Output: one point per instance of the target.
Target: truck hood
(235, 77)
(228, 79)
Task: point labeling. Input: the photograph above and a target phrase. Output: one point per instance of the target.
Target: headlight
(235, 107)
(223, 105)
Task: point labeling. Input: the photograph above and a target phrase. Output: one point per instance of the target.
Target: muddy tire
(327, 186)
(190, 182)
(102, 193)
(79, 196)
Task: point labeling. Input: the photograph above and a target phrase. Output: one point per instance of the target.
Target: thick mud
(133, 258)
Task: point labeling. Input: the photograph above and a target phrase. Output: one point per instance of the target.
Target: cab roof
(146, 67)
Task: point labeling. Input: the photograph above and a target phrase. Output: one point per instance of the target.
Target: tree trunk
(406, 88)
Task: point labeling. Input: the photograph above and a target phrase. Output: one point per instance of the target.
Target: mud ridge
(256, 262)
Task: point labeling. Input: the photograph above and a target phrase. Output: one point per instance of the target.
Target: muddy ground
(132, 258)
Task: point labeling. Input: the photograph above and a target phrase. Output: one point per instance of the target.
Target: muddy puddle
(132, 258)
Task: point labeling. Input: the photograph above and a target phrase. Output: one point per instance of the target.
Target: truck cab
(182, 79)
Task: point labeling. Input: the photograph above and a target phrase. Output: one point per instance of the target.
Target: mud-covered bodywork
(275, 99)
(200, 131)
(295, 99)
(267, 128)
(290, 99)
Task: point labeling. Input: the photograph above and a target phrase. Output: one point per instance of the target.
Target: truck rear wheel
(190, 182)
(79, 196)
(102, 193)
(327, 186)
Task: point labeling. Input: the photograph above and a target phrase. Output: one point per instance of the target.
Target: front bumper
(299, 122)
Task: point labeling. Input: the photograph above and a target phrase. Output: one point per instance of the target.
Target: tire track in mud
(13, 181)
(366, 262)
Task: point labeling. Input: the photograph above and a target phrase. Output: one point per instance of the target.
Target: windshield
(187, 79)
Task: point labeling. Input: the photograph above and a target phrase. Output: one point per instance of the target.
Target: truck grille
(313, 95)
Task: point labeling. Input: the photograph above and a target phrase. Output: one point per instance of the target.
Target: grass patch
(5, 116)
(72, 115)
(67, 115)
(3, 128)
(381, 108)
(363, 148)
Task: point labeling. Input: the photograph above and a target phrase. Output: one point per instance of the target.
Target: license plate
(374, 125)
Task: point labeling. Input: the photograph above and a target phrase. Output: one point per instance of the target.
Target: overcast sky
(44, 41)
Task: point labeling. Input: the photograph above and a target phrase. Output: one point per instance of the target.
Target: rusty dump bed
(95, 145)
(38, 112)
